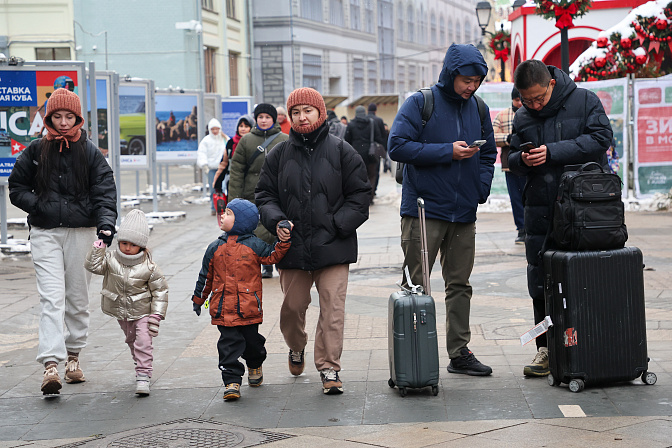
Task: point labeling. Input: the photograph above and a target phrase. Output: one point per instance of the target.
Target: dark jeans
(236, 342)
(515, 184)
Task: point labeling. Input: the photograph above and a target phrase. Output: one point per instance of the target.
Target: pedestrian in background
(211, 152)
(230, 278)
(503, 127)
(567, 125)
(453, 177)
(248, 159)
(244, 126)
(283, 120)
(67, 188)
(335, 126)
(318, 182)
(358, 134)
(135, 292)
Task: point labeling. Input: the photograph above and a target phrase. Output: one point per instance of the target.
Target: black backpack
(589, 213)
(427, 109)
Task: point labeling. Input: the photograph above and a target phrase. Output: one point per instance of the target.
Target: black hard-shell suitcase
(596, 302)
(413, 347)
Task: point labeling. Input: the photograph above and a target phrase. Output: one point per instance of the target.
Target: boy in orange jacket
(230, 277)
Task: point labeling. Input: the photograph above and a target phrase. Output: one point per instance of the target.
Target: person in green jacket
(248, 159)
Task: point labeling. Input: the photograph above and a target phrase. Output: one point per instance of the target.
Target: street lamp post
(483, 11)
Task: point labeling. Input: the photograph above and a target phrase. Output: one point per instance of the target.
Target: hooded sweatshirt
(452, 189)
(211, 149)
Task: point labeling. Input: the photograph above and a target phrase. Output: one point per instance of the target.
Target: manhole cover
(184, 433)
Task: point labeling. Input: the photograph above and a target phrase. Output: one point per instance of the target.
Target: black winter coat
(575, 129)
(318, 182)
(61, 208)
(358, 134)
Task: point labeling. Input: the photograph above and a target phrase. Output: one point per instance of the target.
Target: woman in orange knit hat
(67, 188)
(318, 182)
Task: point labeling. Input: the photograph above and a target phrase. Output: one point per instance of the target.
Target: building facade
(37, 29)
(354, 49)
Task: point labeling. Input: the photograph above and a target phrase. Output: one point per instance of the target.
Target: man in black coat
(380, 129)
(358, 134)
(567, 125)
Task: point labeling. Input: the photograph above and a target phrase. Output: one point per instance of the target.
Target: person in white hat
(135, 292)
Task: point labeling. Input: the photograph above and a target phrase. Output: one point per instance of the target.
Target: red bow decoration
(563, 16)
(502, 54)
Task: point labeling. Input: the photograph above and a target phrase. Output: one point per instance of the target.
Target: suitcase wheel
(402, 391)
(576, 385)
(390, 383)
(552, 381)
(435, 390)
(649, 378)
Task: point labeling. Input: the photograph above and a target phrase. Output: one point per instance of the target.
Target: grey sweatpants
(63, 286)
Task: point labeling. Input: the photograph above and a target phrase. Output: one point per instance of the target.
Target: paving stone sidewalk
(185, 407)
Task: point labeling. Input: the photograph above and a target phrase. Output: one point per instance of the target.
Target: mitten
(197, 309)
(153, 325)
(106, 233)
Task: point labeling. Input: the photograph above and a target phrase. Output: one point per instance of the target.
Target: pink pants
(140, 343)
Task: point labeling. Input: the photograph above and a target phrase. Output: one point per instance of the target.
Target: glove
(197, 309)
(98, 244)
(153, 325)
(106, 233)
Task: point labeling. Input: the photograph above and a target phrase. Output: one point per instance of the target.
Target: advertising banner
(24, 92)
(102, 102)
(176, 127)
(497, 95)
(613, 95)
(133, 125)
(653, 136)
(232, 109)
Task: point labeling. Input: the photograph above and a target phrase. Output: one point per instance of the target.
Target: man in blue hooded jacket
(453, 179)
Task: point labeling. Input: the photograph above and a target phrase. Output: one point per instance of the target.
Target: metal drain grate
(183, 433)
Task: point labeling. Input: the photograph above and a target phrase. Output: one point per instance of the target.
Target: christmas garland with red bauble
(641, 52)
(500, 44)
(563, 11)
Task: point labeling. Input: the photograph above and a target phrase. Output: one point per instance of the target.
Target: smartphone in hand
(527, 146)
(477, 144)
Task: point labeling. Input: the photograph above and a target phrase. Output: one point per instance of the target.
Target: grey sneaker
(142, 385)
(539, 366)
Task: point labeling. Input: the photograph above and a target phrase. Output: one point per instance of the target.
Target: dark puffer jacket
(575, 129)
(319, 183)
(358, 134)
(61, 208)
(452, 189)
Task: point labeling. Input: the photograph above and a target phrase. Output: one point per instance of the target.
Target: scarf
(73, 135)
(236, 139)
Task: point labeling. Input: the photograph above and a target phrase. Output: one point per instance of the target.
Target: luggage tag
(415, 289)
(541, 328)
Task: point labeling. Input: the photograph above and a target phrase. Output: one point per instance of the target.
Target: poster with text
(133, 126)
(232, 110)
(24, 93)
(102, 97)
(176, 127)
(653, 136)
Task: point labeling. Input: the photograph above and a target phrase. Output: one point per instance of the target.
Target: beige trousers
(332, 284)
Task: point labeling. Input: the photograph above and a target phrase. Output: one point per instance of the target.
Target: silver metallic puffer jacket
(129, 291)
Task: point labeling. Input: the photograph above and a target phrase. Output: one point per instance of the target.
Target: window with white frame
(311, 9)
(410, 19)
(386, 44)
(401, 78)
(412, 80)
(355, 15)
(369, 22)
(442, 31)
(358, 77)
(458, 33)
(451, 33)
(336, 12)
(312, 71)
(400, 21)
(372, 69)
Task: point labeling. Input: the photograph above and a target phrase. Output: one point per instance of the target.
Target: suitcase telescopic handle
(423, 244)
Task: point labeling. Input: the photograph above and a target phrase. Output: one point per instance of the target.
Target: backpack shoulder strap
(262, 148)
(481, 113)
(428, 106)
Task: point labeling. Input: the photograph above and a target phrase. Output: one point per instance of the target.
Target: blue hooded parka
(452, 189)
